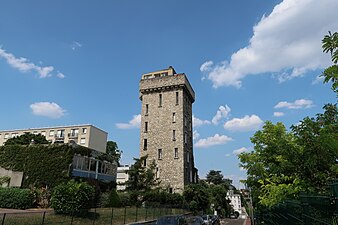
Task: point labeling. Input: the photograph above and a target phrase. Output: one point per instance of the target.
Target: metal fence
(308, 210)
(96, 216)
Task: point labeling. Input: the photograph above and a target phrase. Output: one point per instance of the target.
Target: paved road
(232, 222)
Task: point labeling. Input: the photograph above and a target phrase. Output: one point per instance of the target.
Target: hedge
(16, 198)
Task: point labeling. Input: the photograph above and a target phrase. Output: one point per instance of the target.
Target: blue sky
(78, 62)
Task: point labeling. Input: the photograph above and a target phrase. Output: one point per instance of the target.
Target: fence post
(71, 220)
(43, 218)
(145, 219)
(3, 219)
(136, 214)
(124, 215)
(112, 215)
(94, 215)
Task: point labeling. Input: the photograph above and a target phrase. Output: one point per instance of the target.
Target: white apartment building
(85, 135)
(122, 177)
(235, 201)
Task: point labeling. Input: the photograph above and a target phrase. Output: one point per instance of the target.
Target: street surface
(232, 221)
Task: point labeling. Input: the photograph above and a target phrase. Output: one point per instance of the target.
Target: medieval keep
(166, 127)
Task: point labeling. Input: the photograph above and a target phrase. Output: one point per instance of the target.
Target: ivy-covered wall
(41, 164)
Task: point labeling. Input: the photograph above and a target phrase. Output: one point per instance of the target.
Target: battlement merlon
(167, 81)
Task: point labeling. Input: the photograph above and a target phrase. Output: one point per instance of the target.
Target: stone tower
(166, 127)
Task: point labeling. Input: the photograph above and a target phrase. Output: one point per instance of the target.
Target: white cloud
(75, 45)
(133, 123)
(298, 104)
(318, 79)
(227, 155)
(240, 150)
(206, 66)
(211, 141)
(278, 114)
(198, 122)
(60, 75)
(247, 123)
(195, 135)
(222, 112)
(24, 65)
(286, 42)
(47, 109)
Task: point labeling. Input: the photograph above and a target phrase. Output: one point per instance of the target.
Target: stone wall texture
(172, 115)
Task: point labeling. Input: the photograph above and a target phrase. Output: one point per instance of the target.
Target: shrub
(72, 198)
(114, 199)
(16, 198)
(125, 199)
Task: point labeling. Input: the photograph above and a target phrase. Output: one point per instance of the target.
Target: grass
(115, 216)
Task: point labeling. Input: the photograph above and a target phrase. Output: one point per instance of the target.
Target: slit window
(177, 98)
(147, 109)
(176, 153)
(145, 127)
(174, 135)
(145, 144)
(160, 100)
(159, 154)
(174, 117)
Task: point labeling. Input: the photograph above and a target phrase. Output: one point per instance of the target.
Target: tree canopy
(113, 150)
(26, 139)
(330, 74)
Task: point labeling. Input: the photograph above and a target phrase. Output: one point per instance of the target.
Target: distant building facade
(235, 201)
(85, 135)
(122, 177)
(166, 127)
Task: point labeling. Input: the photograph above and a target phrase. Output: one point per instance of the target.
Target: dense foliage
(72, 198)
(16, 198)
(41, 164)
(26, 139)
(197, 197)
(113, 151)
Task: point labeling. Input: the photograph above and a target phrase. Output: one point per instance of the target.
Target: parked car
(215, 220)
(171, 220)
(195, 220)
(207, 219)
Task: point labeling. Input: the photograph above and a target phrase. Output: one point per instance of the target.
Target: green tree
(141, 178)
(113, 150)
(215, 177)
(218, 194)
(197, 197)
(330, 44)
(26, 139)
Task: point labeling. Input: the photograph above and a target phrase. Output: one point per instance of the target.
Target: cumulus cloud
(75, 45)
(211, 141)
(133, 123)
(24, 65)
(247, 123)
(278, 114)
(196, 122)
(47, 109)
(222, 112)
(206, 66)
(287, 43)
(298, 104)
(240, 150)
(195, 135)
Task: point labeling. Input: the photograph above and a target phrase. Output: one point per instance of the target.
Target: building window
(145, 127)
(145, 162)
(157, 173)
(176, 153)
(160, 100)
(159, 154)
(177, 98)
(83, 141)
(43, 133)
(174, 135)
(185, 121)
(147, 109)
(6, 136)
(185, 138)
(60, 133)
(84, 130)
(74, 132)
(35, 132)
(174, 117)
(51, 133)
(188, 157)
(145, 144)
